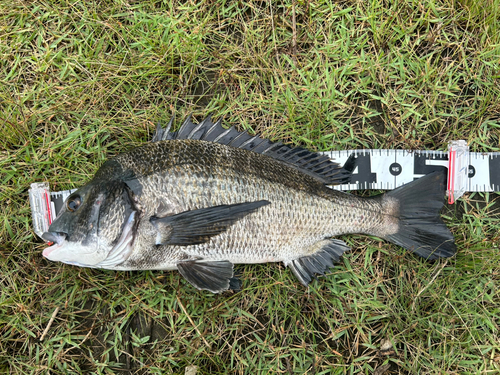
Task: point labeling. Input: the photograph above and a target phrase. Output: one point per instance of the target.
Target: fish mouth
(60, 241)
(123, 248)
(118, 254)
(58, 238)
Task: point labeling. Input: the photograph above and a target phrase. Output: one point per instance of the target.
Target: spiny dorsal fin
(316, 165)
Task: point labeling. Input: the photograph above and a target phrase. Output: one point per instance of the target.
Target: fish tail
(420, 227)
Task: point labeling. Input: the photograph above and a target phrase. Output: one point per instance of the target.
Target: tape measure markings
(388, 169)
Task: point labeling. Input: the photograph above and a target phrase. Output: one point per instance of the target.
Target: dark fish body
(204, 198)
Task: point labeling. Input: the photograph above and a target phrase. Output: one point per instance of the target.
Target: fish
(204, 198)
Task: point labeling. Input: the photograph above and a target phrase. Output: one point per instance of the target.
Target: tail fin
(421, 229)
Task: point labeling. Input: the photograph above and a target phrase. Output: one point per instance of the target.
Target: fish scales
(205, 198)
(294, 221)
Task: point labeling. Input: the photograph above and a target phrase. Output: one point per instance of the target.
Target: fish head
(97, 222)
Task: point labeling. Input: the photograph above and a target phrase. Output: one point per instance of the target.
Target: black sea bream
(204, 198)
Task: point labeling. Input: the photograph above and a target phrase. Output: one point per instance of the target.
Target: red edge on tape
(47, 202)
(451, 176)
(49, 214)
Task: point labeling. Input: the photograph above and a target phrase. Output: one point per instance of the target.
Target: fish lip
(50, 249)
(58, 238)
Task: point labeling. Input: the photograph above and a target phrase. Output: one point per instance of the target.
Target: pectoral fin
(198, 226)
(215, 276)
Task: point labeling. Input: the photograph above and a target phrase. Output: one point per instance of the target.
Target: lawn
(82, 81)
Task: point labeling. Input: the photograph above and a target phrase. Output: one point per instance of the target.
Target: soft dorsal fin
(312, 163)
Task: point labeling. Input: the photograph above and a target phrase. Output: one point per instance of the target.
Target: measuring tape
(389, 169)
(374, 169)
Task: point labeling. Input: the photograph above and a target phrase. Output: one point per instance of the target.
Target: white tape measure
(374, 169)
(389, 169)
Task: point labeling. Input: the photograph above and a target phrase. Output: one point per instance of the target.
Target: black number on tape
(421, 168)
(495, 171)
(364, 175)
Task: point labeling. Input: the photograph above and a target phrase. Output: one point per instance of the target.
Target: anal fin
(215, 276)
(327, 253)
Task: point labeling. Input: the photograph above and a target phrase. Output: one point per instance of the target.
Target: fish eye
(73, 203)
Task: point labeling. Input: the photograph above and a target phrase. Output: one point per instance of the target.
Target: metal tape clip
(458, 169)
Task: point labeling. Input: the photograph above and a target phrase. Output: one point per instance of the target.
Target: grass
(83, 81)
